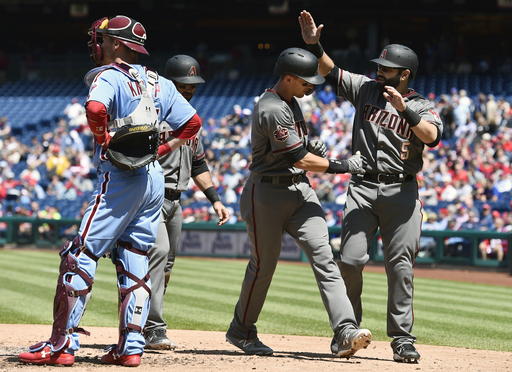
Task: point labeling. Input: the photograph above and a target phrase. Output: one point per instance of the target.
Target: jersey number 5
(404, 154)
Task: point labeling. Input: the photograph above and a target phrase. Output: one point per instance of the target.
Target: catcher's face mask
(96, 39)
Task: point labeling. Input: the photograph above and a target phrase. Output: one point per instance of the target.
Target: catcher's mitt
(134, 146)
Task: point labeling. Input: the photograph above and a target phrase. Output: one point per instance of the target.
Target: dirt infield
(208, 351)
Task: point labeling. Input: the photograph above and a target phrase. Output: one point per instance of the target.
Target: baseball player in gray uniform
(391, 127)
(278, 197)
(178, 167)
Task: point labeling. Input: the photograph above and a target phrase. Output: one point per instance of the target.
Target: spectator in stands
(461, 216)
(326, 96)
(46, 230)
(472, 223)
(35, 190)
(3, 191)
(494, 246)
(427, 192)
(13, 150)
(461, 111)
(325, 193)
(486, 219)
(70, 232)
(504, 183)
(24, 228)
(329, 218)
(491, 108)
(456, 246)
(5, 127)
(469, 203)
(75, 114)
(30, 173)
(36, 155)
(57, 163)
(443, 216)
(56, 187)
(71, 141)
(188, 215)
(428, 243)
(10, 184)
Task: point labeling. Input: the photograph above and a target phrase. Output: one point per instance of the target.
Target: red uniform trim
(97, 201)
(257, 256)
(288, 148)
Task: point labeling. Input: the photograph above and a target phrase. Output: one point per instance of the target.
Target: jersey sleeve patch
(281, 134)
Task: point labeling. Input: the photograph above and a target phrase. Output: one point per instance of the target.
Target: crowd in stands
(466, 181)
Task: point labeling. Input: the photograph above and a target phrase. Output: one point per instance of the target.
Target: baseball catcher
(136, 139)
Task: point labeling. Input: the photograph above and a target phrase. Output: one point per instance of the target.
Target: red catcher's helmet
(127, 30)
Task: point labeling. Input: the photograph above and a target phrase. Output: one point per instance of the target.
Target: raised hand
(310, 33)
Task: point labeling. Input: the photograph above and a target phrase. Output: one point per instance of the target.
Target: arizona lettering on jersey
(387, 120)
(192, 143)
(300, 128)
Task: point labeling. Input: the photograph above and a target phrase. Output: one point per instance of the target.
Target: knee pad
(134, 291)
(69, 295)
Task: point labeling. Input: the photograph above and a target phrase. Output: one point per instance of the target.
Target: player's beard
(394, 82)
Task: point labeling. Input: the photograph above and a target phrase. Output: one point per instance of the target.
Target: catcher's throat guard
(136, 139)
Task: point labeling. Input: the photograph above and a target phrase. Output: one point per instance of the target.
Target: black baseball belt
(283, 180)
(388, 178)
(172, 194)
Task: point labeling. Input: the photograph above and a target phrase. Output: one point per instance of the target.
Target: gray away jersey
(379, 132)
(277, 127)
(177, 164)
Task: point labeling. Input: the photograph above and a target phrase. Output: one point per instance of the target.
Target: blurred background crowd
(465, 69)
(466, 181)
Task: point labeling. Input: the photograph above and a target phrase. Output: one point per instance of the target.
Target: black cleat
(406, 353)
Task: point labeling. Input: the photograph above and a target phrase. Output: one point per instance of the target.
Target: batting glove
(357, 163)
(317, 147)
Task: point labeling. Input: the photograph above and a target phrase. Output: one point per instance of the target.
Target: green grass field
(202, 295)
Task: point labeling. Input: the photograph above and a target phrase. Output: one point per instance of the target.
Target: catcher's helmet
(299, 62)
(127, 30)
(183, 69)
(398, 56)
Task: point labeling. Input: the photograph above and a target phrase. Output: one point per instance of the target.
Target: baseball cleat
(46, 356)
(406, 353)
(157, 339)
(123, 360)
(252, 347)
(354, 340)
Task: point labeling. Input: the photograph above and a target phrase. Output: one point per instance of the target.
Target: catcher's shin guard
(72, 294)
(134, 294)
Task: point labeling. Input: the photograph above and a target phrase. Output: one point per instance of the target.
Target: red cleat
(123, 360)
(46, 356)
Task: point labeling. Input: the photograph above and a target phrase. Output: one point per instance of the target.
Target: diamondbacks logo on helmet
(281, 134)
(192, 71)
(383, 54)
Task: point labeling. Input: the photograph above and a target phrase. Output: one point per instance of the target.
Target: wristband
(412, 117)
(164, 149)
(316, 49)
(337, 166)
(211, 194)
